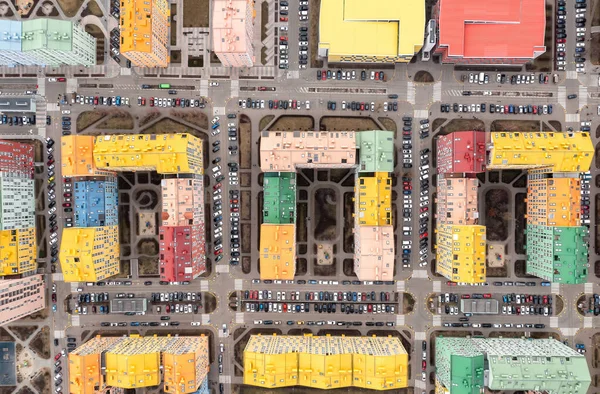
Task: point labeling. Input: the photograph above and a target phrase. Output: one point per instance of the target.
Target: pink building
(457, 201)
(374, 252)
(182, 239)
(284, 150)
(21, 297)
(233, 31)
(461, 152)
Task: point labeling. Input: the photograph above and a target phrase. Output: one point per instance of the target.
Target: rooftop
(46, 33)
(461, 152)
(229, 25)
(374, 252)
(372, 30)
(489, 29)
(457, 200)
(279, 193)
(277, 251)
(11, 35)
(374, 200)
(376, 150)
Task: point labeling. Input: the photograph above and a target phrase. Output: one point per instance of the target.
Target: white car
(343, 105)
(581, 29)
(385, 106)
(307, 104)
(372, 106)
(581, 44)
(215, 120)
(471, 78)
(213, 84)
(66, 111)
(51, 79)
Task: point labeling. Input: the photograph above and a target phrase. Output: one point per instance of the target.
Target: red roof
(492, 29)
(461, 152)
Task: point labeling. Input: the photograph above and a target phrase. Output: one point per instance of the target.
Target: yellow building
(374, 205)
(562, 152)
(461, 253)
(77, 158)
(145, 32)
(554, 201)
(326, 362)
(373, 31)
(163, 153)
(136, 362)
(89, 254)
(277, 251)
(17, 251)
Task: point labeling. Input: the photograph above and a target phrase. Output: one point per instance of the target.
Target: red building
(461, 152)
(181, 253)
(16, 157)
(490, 32)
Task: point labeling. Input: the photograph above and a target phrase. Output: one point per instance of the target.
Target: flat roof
(379, 28)
(17, 104)
(10, 32)
(8, 365)
(489, 29)
(229, 20)
(47, 34)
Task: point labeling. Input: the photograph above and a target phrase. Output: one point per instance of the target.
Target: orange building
(553, 201)
(77, 156)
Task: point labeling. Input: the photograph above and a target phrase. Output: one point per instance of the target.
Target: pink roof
(461, 152)
(22, 297)
(230, 20)
(374, 252)
(492, 29)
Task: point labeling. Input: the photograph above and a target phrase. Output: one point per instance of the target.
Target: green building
(279, 198)
(466, 365)
(376, 151)
(558, 254)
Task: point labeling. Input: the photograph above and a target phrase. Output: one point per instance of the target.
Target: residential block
(460, 252)
(461, 152)
(279, 194)
(233, 32)
(21, 297)
(96, 203)
(277, 251)
(18, 251)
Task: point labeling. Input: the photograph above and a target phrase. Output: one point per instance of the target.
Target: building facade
(96, 203)
(471, 32)
(379, 31)
(461, 152)
(470, 365)
(178, 364)
(46, 42)
(21, 297)
(145, 29)
(329, 362)
(233, 32)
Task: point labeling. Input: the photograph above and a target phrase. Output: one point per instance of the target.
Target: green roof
(376, 151)
(47, 34)
(513, 364)
(279, 197)
(557, 254)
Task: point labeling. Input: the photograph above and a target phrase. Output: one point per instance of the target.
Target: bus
(165, 86)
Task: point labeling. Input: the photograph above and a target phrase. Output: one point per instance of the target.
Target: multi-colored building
(21, 297)
(233, 32)
(17, 251)
(279, 198)
(461, 240)
(470, 365)
(77, 157)
(182, 240)
(89, 254)
(376, 150)
(556, 243)
(461, 152)
(354, 31)
(329, 362)
(46, 42)
(471, 32)
(179, 364)
(145, 28)
(96, 203)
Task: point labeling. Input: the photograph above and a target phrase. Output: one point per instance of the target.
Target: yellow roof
(379, 28)
(461, 252)
(375, 200)
(563, 152)
(76, 156)
(277, 251)
(17, 251)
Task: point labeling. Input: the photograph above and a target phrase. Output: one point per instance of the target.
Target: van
(425, 168)
(481, 78)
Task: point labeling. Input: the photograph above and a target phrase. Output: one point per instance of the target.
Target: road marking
(588, 288)
(554, 322)
(437, 321)
(223, 268)
(58, 277)
(437, 91)
(555, 288)
(74, 286)
(420, 335)
(203, 285)
(41, 90)
(204, 88)
(410, 92)
(571, 74)
(400, 320)
(420, 384)
(59, 333)
(52, 107)
(225, 379)
(239, 318)
(219, 111)
(421, 113)
(400, 286)
(235, 88)
(125, 71)
(205, 319)
(239, 284)
(75, 320)
(587, 322)
(420, 274)
(569, 331)
(562, 96)
(582, 96)
(572, 118)
(437, 286)
(294, 74)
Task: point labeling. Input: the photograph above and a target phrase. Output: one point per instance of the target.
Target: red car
(323, 75)
(369, 308)
(424, 209)
(407, 187)
(466, 296)
(67, 204)
(53, 297)
(218, 185)
(151, 101)
(96, 100)
(67, 194)
(450, 283)
(143, 101)
(57, 356)
(283, 19)
(61, 79)
(282, 38)
(487, 295)
(424, 365)
(561, 40)
(218, 252)
(425, 234)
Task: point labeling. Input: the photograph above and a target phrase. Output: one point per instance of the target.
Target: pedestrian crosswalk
(583, 96)
(571, 74)
(562, 96)
(205, 319)
(572, 118)
(203, 285)
(453, 92)
(235, 88)
(399, 320)
(437, 91)
(204, 88)
(239, 318)
(400, 286)
(410, 93)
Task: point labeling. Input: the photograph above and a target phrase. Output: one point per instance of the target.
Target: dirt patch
(325, 215)
(42, 381)
(148, 266)
(324, 270)
(301, 226)
(266, 119)
(335, 123)
(423, 77)
(70, 7)
(245, 205)
(97, 33)
(41, 343)
(556, 124)
(246, 230)
(286, 123)
(348, 223)
(245, 140)
(437, 123)
(559, 304)
(167, 126)
(196, 13)
(149, 118)
(245, 179)
(408, 303)
(23, 332)
(313, 34)
(120, 121)
(497, 215)
(246, 264)
(264, 19)
(595, 46)
(462, 124)
(515, 125)
(87, 118)
(389, 124)
(520, 222)
(195, 117)
(92, 9)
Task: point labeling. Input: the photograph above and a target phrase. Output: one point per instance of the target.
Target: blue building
(96, 203)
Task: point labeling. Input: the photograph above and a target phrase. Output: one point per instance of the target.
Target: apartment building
(233, 32)
(21, 297)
